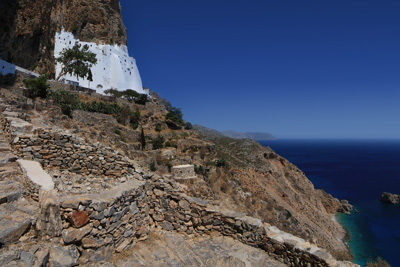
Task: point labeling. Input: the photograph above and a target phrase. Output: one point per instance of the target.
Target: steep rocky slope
(267, 185)
(253, 179)
(28, 28)
(95, 157)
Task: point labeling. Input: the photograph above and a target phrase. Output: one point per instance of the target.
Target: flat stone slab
(20, 127)
(35, 173)
(99, 201)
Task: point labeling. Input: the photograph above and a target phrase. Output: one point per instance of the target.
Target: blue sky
(296, 69)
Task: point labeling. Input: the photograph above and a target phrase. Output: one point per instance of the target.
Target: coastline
(355, 239)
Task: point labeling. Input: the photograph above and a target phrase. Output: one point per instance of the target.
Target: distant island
(248, 135)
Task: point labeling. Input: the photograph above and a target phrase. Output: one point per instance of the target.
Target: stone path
(177, 250)
(16, 213)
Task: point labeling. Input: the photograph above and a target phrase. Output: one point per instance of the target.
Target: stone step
(15, 220)
(10, 114)
(9, 191)
(19, 126)
(6, 158)
(7, 171)
(4, 147)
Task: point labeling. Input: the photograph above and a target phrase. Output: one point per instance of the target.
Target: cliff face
(260, 182)
(28, 28)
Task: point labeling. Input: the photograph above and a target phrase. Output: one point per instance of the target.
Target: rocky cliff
(28, 28)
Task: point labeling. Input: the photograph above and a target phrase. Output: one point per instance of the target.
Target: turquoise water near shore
(357, 170)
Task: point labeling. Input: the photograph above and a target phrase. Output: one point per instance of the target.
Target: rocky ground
(177, 250)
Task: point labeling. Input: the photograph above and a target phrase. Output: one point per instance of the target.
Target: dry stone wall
(175, 211)
(113, 220)
(61, 151)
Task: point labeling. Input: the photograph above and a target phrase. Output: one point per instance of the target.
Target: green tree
(142, 139)
(77, 61)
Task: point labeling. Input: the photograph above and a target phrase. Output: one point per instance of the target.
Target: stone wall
(175, 211)
(111, 221)
(66, 152)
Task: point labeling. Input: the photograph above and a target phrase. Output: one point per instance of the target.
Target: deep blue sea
(359, 171)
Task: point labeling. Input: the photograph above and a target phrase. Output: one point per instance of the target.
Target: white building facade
(114, 69)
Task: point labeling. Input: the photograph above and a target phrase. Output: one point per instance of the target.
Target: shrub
(38, 86)
(134, 119)
(142, 99)
(188, 126)
(124, 115)
(113, 92)
(117, 131)
(66, 100)
(158, 127)
(169, 144)
(175, 116)
(379, 262)
(220, 162)
(158, 142)
(184, 135)
(153, 167)
(201, 170)
(129, 94)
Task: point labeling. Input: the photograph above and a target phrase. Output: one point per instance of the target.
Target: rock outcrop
(390, 198)
(29, 27)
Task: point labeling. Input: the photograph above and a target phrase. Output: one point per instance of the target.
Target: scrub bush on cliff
(67, 101)
(174, 118)
(38, 87)
(77, 61)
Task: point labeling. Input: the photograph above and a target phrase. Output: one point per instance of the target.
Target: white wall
(6, 68)
(114, 68)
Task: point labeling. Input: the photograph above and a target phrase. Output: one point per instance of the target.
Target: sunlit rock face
(114, 69)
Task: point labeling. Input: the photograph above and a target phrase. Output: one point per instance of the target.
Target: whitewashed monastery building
(114, 69)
